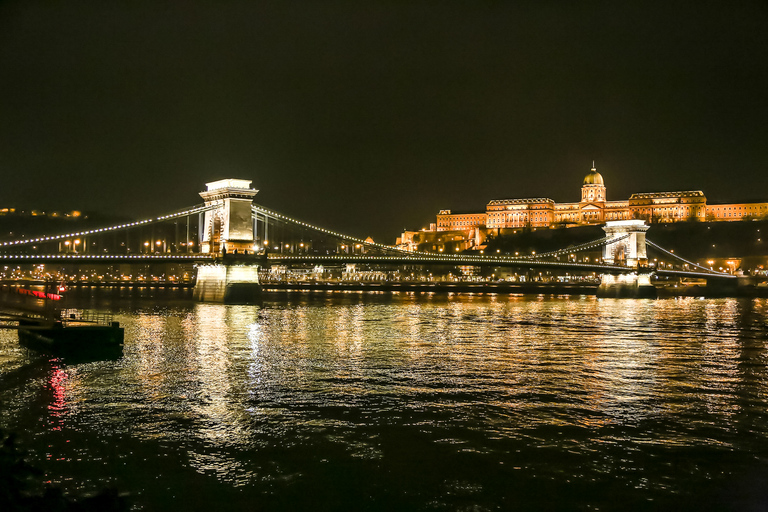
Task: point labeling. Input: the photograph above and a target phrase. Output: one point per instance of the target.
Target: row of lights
(670, 253)
(312, 258)
(433, 256)
(101, 256)
(731, 265)
(111, 228)
(708, 273)
(436, 257)
(39, 272)
(579, 248)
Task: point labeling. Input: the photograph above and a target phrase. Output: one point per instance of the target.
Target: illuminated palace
(594, 208)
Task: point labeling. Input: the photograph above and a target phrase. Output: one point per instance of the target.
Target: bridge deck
(331, 259)
(438, 259)
(103, 258)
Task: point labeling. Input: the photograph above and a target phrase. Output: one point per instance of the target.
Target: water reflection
(480, 393)
(57, 407)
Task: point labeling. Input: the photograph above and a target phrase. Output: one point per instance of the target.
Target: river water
(408, 402)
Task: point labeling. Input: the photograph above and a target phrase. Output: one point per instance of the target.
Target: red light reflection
(57, 408)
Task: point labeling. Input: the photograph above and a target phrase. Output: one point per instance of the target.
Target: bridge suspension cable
(269, 213)
(578, 248)
(469, 259)
(162, 218)
(673, 255)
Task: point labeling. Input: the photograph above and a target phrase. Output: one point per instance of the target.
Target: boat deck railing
(100, 318)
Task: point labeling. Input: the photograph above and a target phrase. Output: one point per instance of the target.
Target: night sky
(370, 116)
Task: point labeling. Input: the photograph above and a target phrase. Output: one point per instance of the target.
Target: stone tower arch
(229, 227)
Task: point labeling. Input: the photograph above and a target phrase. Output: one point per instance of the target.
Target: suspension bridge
(231, 239)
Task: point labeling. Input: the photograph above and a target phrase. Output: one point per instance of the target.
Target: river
(365, 401)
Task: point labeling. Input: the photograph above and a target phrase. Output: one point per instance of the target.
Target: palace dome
(593, 178)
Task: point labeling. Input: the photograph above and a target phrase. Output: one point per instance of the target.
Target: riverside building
(467, 230)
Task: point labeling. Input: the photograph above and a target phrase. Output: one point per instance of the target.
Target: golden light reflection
(458, 370)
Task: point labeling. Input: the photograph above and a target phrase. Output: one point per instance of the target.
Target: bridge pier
(232, 283)
(630, 286)
(627, 246)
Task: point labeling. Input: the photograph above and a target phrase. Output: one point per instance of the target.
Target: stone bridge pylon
(229, 227)
(629, 248)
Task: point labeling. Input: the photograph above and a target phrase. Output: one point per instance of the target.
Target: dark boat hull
(90, 340)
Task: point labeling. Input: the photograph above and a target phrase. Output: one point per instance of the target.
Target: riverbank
(183, 291)
(536, 288)
(440, 287)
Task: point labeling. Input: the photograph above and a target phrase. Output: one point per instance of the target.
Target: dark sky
(369, 116)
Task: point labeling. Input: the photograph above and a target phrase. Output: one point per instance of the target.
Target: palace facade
(593, 208)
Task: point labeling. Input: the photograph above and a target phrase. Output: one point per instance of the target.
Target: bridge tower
(228, 228)
(629, 246)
